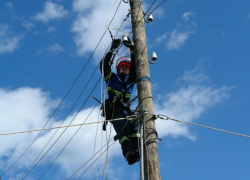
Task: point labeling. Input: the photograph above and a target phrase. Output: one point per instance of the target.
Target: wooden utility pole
(151, 163)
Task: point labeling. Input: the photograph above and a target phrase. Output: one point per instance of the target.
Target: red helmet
(123, 61)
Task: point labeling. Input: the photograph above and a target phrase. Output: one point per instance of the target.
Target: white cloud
(91, 23)
(29, 108)
(28, 25)
(160, 13)
(177, 39)
(51, 11)
(187, 15)
(51, 29)
(8, 41)
(55, 48)
(188, 103)
(9, 5)
(161, 38)
(248, 16)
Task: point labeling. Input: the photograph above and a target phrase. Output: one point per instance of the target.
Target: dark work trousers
(128, 131)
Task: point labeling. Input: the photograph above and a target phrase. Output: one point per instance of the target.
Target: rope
(88, 160)
(144, 78)
(121, 30)
(65, 95)
(64, 130)
(94, 161)
(99, 43)
(144, 99)
(168, 118)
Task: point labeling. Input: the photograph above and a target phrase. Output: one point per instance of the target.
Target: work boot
(132, 156)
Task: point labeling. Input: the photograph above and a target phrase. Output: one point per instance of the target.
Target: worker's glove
(129, 44)
(115, 44)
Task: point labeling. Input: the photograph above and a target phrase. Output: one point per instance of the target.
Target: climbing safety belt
(144, 78)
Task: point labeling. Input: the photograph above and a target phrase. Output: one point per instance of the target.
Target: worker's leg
(134, 134)
(122, 127)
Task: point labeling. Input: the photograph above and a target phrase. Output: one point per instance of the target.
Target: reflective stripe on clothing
(128, 95)
(123, 139)
(108, 76)
(135, 135)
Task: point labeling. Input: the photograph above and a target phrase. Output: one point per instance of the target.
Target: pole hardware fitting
(144, 78)
(141, 111)
(138, 21)
(153, 57)
(152, 140)
(125, 1)
(149, 18)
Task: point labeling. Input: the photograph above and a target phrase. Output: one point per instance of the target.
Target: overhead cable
(61, 101)
(72, 125)
(99, 79)
(92, 162)
(64, 130)
(60, 124)
(168, 118)
(157, 6)
(95, 161)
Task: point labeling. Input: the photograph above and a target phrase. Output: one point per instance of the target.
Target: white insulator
(150, 18)
(124, 38)
(154, 56)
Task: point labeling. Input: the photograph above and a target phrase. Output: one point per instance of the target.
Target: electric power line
(91, 158)
(95, 161)
(63, 131)
(56, 108)
(62, 99)
(61, 123)
(157, 6)
(168, 118)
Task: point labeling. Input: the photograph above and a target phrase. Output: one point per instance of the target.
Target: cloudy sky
(49, 51)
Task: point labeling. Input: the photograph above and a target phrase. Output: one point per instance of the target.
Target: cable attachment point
(153, 139)
(153, 57)
(148, 19)
(140, 112)
(110, 32)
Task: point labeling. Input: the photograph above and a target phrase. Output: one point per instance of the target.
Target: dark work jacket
(115, 85)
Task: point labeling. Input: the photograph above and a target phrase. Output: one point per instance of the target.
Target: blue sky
(201, 76)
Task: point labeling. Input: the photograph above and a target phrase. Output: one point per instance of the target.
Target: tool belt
(107, 112)
(107, 108)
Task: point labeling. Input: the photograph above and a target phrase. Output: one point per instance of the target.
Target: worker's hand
(129, 44)
(115, 44)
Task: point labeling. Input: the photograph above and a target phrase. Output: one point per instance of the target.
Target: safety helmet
(123, 61)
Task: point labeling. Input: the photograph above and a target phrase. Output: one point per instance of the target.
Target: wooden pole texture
(151, 163)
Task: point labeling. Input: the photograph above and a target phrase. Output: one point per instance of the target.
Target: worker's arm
(105, 65)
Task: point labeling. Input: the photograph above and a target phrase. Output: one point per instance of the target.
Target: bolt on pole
(151, 159)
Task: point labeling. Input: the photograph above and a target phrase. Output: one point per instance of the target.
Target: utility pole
(151, 163)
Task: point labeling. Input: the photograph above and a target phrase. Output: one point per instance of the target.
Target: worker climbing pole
(151, 159)
(120, 85)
